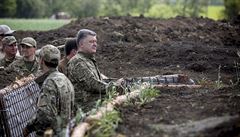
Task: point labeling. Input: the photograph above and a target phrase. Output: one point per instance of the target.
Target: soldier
(10, 50)
(57, 96)
(83, 71)
(29, 63)
(70, 50)
(4, 31)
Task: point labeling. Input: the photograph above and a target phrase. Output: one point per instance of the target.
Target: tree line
(86, 8)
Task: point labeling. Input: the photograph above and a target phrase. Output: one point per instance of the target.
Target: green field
(34, 24)
(215, 12)
(168, 11)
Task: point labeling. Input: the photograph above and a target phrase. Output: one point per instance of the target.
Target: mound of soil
(138, 46)
(171, 113)
(202, 48)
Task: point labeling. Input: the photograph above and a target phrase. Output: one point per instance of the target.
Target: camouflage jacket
(19, 66)
(62, 65)
(83, 72)
(55, 102)
(4, 62)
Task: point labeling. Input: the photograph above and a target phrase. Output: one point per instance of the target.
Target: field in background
(215, 12)
(157, 11)
(34, 24)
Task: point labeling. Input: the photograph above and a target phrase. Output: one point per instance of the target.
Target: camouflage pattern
(4, 62)
(29, 41)
(49, 53)
(20, 67)
(56, 101)
(62, 65)
(8, 40)
(85, 76)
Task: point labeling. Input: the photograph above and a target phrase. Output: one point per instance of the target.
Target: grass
(215, 12)
(33, 24)
(167, 11)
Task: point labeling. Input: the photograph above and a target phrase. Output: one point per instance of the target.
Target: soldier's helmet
(50, 53)
(8, 40)
(5, 30)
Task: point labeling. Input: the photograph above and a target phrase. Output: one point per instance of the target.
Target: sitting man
(29, 63)
(10, 50)
(56, 99)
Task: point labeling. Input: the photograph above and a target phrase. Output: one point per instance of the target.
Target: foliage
(84, 8)
(106, 126)
(87, 8)
(147, 95)
(161, 10)
(33, 24)
(30, 8)
(7, 8)
(215, 12)
(232, 8)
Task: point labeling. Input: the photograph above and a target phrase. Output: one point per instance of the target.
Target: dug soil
(203, 49)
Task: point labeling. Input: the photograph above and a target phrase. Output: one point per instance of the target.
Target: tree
(7, 8)
(232, 8)
(84, 8)
(191, 8)
(30, 8)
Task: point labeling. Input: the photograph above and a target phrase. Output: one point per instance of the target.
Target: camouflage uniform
(23, 67)
(4, 62)
(83, 72)
(19, 66)
(56, 99)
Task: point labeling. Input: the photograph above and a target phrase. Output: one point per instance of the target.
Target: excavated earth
(203, 49)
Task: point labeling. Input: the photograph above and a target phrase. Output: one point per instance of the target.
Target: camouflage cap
(29, 41)
(8, 40)
(50, 53)
(5, 30)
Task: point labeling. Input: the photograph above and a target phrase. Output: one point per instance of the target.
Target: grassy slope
(34, 24)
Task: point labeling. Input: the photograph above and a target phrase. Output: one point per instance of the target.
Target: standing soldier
(70, 49)
(4, 31)
(57, 96)
(29, 63)
(10, 50)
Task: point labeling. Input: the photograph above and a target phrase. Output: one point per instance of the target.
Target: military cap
(5, 30)
(29, 41)
(50, 53)
(8, 40)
